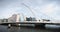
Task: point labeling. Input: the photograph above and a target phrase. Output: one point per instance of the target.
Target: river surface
(48, 28)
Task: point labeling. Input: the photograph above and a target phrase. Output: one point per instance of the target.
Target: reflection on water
(53, 26)
(49, 28)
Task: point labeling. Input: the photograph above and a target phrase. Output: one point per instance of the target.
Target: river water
(48, 28)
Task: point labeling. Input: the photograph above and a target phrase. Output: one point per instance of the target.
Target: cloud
(48, 9)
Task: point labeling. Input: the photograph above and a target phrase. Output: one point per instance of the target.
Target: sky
(43, 9)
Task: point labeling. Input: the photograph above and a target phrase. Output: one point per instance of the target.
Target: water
(49, 28)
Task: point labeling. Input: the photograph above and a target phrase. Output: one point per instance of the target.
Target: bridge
(32, 22)
(36, 23)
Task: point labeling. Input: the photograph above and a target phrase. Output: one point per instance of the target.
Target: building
(14, 18)
(3, 20)
(30, 19)
(0, 20)
(18, 18)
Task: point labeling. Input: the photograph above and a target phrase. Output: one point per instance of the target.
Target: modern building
(18, 18)
(14, 18)
(30, 19)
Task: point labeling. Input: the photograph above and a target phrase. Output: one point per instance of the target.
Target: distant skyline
(47, 9)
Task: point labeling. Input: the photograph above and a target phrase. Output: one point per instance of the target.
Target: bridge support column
(9, 25)
(40, 25)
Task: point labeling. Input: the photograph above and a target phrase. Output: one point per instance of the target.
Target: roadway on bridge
(32, 22)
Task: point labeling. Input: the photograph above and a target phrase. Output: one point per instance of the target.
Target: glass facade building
(30, 19)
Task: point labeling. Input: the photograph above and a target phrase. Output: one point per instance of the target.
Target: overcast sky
(49, 9)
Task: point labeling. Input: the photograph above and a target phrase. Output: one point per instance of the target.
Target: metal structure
(31, 10)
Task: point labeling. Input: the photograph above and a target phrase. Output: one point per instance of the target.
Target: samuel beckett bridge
(16, 20)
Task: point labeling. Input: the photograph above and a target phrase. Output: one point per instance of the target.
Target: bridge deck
(31, 22)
